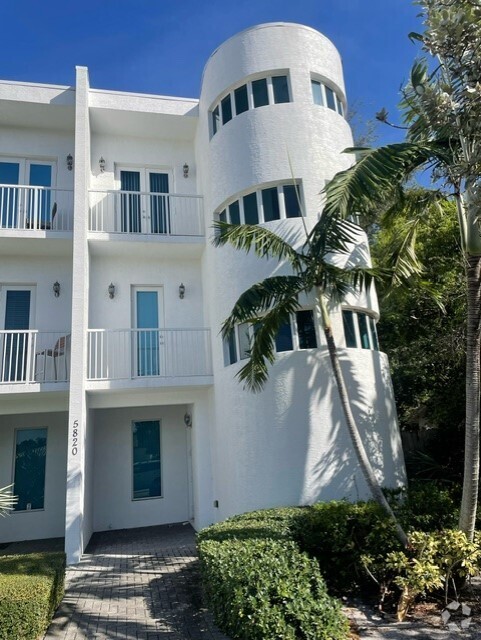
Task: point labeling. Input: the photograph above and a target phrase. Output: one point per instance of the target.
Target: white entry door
(148, 344)
(144, 201)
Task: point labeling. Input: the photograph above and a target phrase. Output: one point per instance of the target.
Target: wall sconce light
(188, 420)
(181, 291)
(102, 164)
(186, 170)
(111, 290)
(69, 162)
(56, 289)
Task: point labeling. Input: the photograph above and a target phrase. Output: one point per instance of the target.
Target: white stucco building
(119, 405)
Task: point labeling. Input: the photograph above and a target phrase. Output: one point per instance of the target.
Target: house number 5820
(75, 438)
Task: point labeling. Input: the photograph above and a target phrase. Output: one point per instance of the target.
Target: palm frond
(265, 243)
(375, 176)
(332, 235)
(7, 500)
(337, 282)
(263, 297)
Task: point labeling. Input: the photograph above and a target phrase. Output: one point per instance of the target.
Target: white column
(76, 537)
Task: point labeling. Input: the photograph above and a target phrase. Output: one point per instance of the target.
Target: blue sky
(161, 46)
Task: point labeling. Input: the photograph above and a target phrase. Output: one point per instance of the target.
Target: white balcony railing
(116, 354)
(40, 208)
(34, 356)
(166, 214)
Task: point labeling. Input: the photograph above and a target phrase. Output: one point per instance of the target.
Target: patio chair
(60, 349)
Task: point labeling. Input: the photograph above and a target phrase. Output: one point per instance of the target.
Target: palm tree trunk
(467, 518)
(356, 439)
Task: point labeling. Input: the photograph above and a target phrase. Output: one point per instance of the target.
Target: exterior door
(148, 316)
(17, 306)
(25, 208)
(144, 201)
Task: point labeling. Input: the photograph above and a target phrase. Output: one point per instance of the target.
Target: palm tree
(268, 305)
(442, 113)
(7, 500)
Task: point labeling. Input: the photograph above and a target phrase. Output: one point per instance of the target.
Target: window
(317, 92)
(29, 476)
(282, 201)
(331, 98)
(146, 459)
(230, 351)
(306, 329)
(259, 93)
(359, 330)
(226, 106)
(284, 338)
(280, 89)
(254, 94)
(270, 203)
(244, 341)
(241, 100)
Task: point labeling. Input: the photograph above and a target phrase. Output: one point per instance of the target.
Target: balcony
(134, 213)
(146, 356)
(26, 208)
(32, 356)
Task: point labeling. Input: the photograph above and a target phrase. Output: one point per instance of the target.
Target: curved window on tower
(359, 330)
(326, 96)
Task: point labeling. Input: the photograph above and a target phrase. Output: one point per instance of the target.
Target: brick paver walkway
(135, 584)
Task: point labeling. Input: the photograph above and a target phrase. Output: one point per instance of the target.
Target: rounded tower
(272, 128)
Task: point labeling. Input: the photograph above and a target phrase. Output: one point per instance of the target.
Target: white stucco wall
(50, 521)
(112, 499)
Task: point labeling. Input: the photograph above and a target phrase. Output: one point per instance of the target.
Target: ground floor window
(146, 459)
(29, 475)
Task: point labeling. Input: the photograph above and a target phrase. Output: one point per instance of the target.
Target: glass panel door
(9, 196)
(39, 203)
(15, 345)
(130, 204)
(159, 205)
(149, 339)
(30, 457)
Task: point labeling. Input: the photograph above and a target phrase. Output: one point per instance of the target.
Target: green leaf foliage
(31, 587)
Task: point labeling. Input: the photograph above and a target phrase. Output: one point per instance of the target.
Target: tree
(267, 305)
(7, 500)
(442, 113)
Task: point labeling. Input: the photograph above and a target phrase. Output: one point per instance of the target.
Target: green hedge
(260, 586)
(31, 587)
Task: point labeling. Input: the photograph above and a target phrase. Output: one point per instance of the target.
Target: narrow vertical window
(331, 98)
(306, 329)
(223, 216)
(349, 331)
(284, 338)
(340, 108)
(291, 201)
(240, 100)
(244, 341)
(251, 215)
(146, 459)
(234, 212)
(317, 92)
(215, 120)
(226, 107)
(259, 92)
(230, 351)
(372, 325)
(363, 331)
(281, 89)
(270, 203)
(29, 477)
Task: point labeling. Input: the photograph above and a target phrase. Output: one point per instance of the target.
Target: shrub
(260, 586)
(31, 587)
(350, 541)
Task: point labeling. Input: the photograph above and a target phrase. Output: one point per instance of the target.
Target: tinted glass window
(244, 341)
(234, 212)
(240, 99)
(230, 351)
(270, 202)
(340, 108)
(317, 92)
(259, 92)
(372, 325)
(281, 89)
(29, 479)
(251, 215)
(349, 332)
(284, 338)
(306, 330)
(223, 216)
(331, 99)
(146, 459)
(291, 201)
(215, 120)
(363, 331)
(226, 106)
